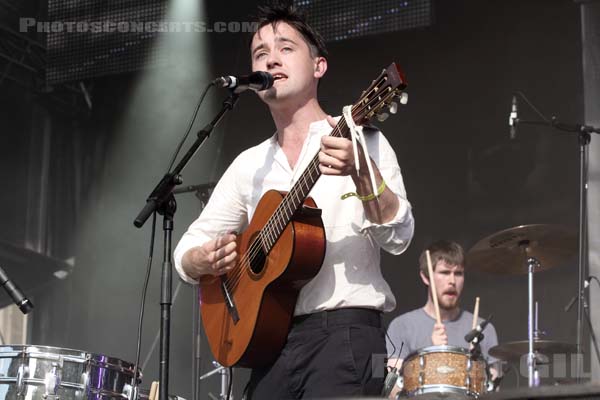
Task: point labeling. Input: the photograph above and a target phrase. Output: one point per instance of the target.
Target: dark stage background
(72, 185)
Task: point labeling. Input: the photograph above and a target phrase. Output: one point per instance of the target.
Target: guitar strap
(356, 133)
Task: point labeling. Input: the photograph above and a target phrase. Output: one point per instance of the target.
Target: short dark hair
(275, 13)
(442, 250)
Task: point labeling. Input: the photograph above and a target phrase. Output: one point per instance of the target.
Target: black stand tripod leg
(166, 296)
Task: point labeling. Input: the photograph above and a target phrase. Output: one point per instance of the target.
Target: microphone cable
(134, 384)
(190, 125)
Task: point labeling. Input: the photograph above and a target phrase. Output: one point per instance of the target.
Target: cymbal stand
(584, 137)
(586, 312)
(224, 371)
(532, 263)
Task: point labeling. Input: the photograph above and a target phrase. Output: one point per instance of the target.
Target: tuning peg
(393, 107)
(382, 116)
(403, 98)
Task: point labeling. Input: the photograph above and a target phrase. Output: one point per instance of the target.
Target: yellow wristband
(368, 197)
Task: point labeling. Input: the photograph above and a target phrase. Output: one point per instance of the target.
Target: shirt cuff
(395, 235)
(180, 250)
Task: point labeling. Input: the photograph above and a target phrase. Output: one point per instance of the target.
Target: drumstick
(476, 313)
(433, 291)
(153, 395)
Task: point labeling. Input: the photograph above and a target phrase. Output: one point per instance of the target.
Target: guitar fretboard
(380, 93)
(295, 197)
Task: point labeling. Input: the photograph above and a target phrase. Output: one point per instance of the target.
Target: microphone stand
(476, 342)
(477, 354)
(584, 136)
(162, 200)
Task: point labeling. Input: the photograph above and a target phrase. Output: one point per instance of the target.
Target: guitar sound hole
(257, 261)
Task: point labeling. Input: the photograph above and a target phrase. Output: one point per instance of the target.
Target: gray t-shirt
(414, 329)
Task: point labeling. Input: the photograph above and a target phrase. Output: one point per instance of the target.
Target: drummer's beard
(449, 303)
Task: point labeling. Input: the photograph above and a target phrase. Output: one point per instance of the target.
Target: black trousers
(328, 354)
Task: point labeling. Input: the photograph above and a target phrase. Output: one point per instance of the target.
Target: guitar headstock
(384, 92)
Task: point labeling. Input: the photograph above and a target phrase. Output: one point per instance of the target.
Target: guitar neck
(296, 196)
(378, 95)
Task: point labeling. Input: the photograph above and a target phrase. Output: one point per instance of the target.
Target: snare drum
(52, 373)
(439, 372)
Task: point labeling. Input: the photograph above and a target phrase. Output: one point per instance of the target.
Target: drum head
(437, 349)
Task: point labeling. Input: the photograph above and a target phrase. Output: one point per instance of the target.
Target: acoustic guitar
(247, 312)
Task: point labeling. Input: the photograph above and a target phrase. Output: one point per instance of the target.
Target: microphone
(512, 118)
(586, 284)
(469, 337)
(256, 81)
(15, 293)
(390, 381)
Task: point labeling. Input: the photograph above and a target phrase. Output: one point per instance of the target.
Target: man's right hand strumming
(215, 257)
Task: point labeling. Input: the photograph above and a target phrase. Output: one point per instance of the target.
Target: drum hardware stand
(532, 263)
(584, 135)
(202, 193)
(586, 312)
(476, 350)
(225, 377)
(161, 200)
(196, 345)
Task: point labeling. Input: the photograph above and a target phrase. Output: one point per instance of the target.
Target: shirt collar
(315, 127)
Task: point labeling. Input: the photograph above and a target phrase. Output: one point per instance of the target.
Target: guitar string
(276, 218)
(273, 237)
(275, 221)
(254, 251)
(312, 173)
(233, 278)
(268, 230)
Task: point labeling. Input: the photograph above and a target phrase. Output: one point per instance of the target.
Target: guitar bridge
(231, 308)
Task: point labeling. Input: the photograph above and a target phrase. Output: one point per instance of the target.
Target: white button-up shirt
(350, 275)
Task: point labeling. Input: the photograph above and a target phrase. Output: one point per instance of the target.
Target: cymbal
(28, 269)
(507, 251)
(513, 351)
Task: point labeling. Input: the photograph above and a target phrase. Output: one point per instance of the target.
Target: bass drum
(53, 373)
(443, 372)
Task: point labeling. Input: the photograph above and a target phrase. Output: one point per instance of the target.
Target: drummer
(418, 328)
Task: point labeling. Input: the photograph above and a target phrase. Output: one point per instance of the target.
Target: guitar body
(264, 295)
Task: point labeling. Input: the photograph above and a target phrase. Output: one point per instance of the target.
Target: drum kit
(42, 372)
(440, 372)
